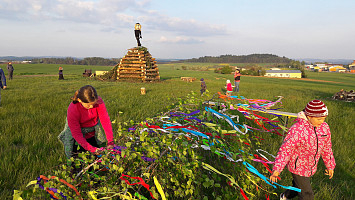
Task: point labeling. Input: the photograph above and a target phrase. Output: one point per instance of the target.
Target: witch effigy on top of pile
(137, 65)
(138, 33)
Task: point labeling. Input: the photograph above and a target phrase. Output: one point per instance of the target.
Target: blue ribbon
(255, 171)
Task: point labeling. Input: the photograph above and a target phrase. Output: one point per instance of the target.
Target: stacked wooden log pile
(138, 65)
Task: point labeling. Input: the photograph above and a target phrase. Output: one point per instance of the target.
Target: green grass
(34, 109)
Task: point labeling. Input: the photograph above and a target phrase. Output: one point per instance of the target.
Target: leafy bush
(224, 70)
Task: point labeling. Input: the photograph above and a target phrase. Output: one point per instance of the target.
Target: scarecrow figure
(137, 33)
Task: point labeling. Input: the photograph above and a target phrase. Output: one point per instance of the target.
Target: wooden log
(127, 76)
(135, 51)
(133, 62)
(134, 54)
(131, 68)
(132, 59)
(132, 65)
(131, 72)
(151, 70)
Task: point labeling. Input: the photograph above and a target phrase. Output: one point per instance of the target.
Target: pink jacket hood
(302, 147)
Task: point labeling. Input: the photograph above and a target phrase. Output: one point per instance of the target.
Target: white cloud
(109, 13)
(183, 27)
(180, 40)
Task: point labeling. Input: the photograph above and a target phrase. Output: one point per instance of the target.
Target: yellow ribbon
(258, 185)
(160, 190)
(231, 178)
(17, 195)
(31, 183)
(92, 195)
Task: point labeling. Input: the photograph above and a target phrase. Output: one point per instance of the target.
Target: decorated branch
(197, 150)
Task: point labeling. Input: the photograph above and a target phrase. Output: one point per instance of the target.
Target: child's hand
(275, 176)
(330, 173)
(99, 151)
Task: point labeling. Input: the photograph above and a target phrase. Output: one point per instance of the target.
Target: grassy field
(34, 109)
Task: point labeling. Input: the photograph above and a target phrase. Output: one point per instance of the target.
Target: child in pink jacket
(306, 141)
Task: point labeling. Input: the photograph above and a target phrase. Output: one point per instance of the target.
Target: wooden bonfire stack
(138, 64)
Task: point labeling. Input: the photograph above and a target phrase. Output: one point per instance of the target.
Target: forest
(75, 61)
(252, 58)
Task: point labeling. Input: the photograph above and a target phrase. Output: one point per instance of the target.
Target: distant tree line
(252, 58)
(75, 61)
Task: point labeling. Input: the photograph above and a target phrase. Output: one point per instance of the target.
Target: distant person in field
(138, 33)
(229, 88)
(82, 131)
(203, 86)
(306, 141)
(236, 80)
(10, 70)
(2, 82)
(61, 76)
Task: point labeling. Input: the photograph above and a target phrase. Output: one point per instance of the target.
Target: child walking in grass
(229, 88)
(203, 86)
(82, 131)
(61, 76)
(306, 141)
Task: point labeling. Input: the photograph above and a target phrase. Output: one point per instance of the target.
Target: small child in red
(229, 88)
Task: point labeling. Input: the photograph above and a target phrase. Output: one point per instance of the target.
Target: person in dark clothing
(137, 33)
(61, 77)
(203, 86)
(236, 80)
(2, 82)
(10, 69)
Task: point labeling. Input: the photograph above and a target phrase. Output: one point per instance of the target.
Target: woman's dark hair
(86, 94)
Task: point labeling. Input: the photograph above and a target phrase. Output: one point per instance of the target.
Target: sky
(181, 29)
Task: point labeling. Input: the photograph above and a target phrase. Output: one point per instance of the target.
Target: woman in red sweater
(82, 131)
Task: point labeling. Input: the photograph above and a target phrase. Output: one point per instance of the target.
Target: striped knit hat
(316, 108)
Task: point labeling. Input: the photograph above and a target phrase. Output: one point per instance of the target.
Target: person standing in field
(229, 88)
(138, 33)
(203, 86)
(10, 70)
(82, 131)
(236, 80)
(2, 82)
(61, 76)
(306, 141)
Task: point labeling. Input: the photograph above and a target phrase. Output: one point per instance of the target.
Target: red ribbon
(141, 182)
(152, 126)
(242, 192)
(45, 179)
